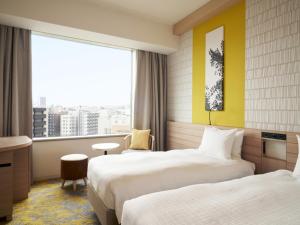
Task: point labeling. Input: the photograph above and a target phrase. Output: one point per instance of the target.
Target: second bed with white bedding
(117, 178)
(268, 199)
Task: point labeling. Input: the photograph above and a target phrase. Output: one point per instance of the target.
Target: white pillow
(217, 143)
(297, 167)
(237, 144)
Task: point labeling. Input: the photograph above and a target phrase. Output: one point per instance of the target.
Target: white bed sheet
(117, 178)
(268, 199)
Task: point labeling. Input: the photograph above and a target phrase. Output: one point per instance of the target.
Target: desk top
(105, 146)
(16, 142)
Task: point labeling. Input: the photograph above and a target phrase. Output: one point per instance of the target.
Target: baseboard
(44, 178)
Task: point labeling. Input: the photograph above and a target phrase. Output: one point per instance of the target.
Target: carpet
(49, 204)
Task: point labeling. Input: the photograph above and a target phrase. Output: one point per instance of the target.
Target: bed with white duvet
(117, 178)
(268, 199)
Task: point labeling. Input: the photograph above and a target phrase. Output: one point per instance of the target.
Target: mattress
(117, 178)
(268, 199)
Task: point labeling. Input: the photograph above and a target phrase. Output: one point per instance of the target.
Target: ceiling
(162, 11)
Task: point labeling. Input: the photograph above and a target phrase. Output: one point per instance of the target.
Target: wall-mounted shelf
(274, 151)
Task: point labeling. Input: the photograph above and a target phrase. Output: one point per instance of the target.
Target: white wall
(180, 80)
(89, 21)
(47, 154)
(273, 65)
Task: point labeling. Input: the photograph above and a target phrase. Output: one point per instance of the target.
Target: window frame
(83, 41)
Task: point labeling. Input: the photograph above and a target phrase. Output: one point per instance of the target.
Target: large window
(80, 89)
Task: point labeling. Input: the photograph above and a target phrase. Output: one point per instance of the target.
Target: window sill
(44, 139)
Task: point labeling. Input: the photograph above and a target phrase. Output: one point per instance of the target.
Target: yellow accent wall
(233, 20)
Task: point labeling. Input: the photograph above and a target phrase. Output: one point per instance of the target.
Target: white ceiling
(162, 11)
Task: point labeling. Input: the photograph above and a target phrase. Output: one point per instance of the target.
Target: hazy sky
(70, 73)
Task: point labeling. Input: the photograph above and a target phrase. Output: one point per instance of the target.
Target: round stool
(73, 167)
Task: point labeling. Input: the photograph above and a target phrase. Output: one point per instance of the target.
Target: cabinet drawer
(6, 191)
(6, 158)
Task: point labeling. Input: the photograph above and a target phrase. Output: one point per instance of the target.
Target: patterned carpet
(49, 204)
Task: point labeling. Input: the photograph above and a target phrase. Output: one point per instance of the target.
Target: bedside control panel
(274, 145)
(275, 136)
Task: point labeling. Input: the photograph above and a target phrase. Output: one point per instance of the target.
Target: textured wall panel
(180, 81)
(273, 64)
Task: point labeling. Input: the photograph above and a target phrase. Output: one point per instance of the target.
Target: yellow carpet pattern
(49, 204)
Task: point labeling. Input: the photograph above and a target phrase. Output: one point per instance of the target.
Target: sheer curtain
(150, 95)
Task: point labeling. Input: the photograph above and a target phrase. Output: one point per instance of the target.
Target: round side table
(74, 167)
(105, 147)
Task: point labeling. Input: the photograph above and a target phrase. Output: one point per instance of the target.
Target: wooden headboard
(186, 135)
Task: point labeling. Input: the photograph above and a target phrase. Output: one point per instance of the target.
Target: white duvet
(269, 199)
(117, 178)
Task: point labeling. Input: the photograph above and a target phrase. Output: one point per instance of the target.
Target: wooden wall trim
(186, 135)
(207, 11)
(292, 150)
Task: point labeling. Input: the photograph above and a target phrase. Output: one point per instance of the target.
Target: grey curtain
(15, 82)
(150, 97)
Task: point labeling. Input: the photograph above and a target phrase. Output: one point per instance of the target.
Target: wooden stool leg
(85, 182)
(63, 184)
(8, 218)
(74, 185)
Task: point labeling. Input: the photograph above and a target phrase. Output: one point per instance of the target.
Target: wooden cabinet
(14, 172)
(269, 164)
(6, 187)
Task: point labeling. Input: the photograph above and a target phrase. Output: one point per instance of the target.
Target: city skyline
(71, 121)
(37, 103)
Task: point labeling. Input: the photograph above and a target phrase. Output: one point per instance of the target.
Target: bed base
(105, 215)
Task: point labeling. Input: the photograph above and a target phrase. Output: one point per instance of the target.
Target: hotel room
(139, 112)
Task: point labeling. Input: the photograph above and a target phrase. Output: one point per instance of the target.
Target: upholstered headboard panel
(292, 150)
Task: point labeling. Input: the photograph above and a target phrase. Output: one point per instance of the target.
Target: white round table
(105, 147)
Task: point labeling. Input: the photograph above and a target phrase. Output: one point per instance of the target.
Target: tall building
(88, 123)
(54, 124)
(104, 123)
(42, 102)
(69, 125)
(39, 122)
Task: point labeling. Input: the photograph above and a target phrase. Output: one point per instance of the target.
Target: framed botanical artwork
(214, 70)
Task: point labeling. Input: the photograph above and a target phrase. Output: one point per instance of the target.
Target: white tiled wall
(273, 64)
(272, 68)
(180, 81)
